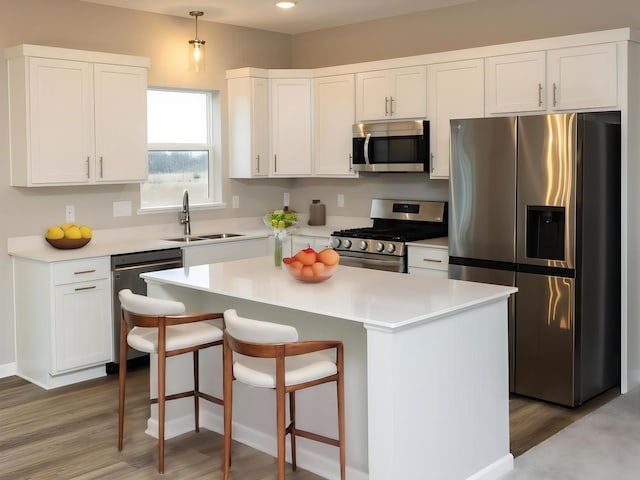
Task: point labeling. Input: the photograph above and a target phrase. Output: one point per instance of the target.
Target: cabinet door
(515, 83)
(291, 126)
(456, 90)
(120, 123)
(408, 92)
(82, 325)
(583, 77)
(334, 114)
(372, 95)
(61, 121)
(248, 127)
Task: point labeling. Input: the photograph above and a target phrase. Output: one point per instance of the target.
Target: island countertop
(375, 298)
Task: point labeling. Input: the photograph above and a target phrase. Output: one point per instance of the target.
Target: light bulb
(288, 4)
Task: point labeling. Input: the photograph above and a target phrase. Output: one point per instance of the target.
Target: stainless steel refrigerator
(535, 202)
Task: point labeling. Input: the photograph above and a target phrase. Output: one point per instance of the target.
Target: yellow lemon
(72, 232)
(54, 233)
(85, 231)
(67, 226)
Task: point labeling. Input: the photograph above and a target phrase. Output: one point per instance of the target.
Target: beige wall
(75, 24)
(484, 22)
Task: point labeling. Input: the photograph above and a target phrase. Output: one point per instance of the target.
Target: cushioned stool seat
(162, 327)
(270, 355)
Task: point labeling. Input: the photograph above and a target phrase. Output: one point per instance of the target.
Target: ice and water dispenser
(545, 232)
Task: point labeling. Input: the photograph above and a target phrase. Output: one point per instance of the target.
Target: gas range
(395, 222)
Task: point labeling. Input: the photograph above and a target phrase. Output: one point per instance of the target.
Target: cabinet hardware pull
(555, 95)
(84, 271)
(88, 167)
(386, 106)
(391, 106)
(350, 162)
(433, 163)
(257, 163)
(432, 260)
(275, 163)
(539, 94)
(85, 288)
(101, 173)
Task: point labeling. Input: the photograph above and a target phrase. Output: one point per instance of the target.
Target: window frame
(213, 147)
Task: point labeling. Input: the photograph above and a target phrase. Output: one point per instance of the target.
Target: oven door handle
(366, 148)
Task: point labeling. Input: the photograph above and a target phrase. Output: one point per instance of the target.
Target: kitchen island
(426, 371)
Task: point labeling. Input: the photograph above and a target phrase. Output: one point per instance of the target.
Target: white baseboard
(495, 470)
(8, 369)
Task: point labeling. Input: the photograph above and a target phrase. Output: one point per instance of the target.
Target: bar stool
(160, 326)
(269, 355)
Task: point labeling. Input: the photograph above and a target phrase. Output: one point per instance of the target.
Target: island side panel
(254, 409)
(439, 397)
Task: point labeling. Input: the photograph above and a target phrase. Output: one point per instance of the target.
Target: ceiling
(307, 16)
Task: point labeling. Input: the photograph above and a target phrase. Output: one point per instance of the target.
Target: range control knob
(391, 248)
(335, 242)
(363, 245)
(379, 247)
(347, 243)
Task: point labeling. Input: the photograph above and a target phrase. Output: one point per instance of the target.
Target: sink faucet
(184, 214)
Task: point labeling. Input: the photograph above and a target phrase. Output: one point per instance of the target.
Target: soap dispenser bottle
(317, 213)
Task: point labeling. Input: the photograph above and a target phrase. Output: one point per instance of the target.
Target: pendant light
(196, 47)
(289, 4)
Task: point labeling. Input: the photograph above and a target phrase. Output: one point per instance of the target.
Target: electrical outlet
(340, 200)
(122, 209)
(286, 199)
(235, 201)
(70, 213)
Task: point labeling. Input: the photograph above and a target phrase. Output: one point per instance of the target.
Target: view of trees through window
(179, 148)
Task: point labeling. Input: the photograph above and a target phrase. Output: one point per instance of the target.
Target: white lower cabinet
(224, 251)
(298, 242)
(63, 320)
(430, 261)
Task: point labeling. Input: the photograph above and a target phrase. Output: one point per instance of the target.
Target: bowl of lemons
(68, 235)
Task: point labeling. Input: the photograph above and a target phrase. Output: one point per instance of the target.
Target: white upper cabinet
(583, 77)
(334, 115)
(248, 127)
(515, 83)
(75, 121)
(456, 90)
(391, 94)
(559, 79)
(291, 127)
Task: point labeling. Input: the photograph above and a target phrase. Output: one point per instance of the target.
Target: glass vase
(277, 251)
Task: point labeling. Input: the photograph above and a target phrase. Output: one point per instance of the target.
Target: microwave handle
(366, 148)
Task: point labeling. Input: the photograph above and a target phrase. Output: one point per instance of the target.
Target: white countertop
(139, 239)
(372, 297)
(440, 242)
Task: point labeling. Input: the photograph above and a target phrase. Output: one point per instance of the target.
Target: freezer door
(544, 338)
(482, 189)
(546, 210)
(497, 277)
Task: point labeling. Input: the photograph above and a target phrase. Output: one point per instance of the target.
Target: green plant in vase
(282, 222)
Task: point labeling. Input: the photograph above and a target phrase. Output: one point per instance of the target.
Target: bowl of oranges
(312, 267)
(68, 235)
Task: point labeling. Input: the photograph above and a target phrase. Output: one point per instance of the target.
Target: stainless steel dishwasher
(125, 273)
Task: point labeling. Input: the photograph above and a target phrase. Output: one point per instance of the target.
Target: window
(181, 149)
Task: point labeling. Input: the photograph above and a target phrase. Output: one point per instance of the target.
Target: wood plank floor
(70, 433)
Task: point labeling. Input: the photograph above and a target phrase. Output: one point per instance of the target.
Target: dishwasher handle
(176, 263)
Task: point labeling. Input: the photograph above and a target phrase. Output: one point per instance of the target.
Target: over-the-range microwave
(401, 146)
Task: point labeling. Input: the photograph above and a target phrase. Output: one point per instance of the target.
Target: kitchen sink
(213, 236)
(200, 238)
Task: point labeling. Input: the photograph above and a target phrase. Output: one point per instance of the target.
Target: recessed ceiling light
(289, 4)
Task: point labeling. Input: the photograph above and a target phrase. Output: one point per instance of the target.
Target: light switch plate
(235, 201)
(340, 200)
(70, 213)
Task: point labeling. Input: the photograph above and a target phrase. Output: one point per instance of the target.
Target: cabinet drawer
(426, 257)
(84, 270)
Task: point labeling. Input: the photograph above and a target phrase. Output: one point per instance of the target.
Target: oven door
(375, 262)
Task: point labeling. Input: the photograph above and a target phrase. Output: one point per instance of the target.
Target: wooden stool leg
(281, 429)
(122, 377)
(161, 409)
(292, 417)
(227, 384)
(196, 390)
(340, 389)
